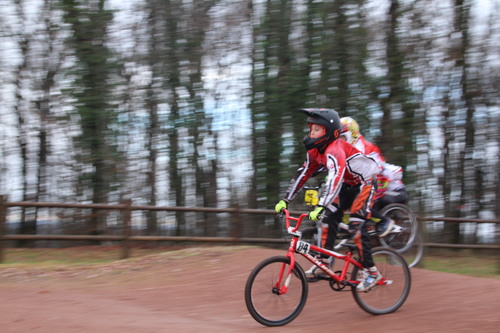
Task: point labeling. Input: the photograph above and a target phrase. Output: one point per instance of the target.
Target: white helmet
(349, 130)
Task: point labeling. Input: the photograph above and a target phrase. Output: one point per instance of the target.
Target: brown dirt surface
(201, 290)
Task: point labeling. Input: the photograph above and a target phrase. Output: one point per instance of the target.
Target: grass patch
(82, 255)
(465, 262)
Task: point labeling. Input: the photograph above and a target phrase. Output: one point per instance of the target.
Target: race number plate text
(303, 247)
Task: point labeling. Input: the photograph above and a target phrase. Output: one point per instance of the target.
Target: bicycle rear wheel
(402, 238)
(414, 254)
(264, 303)
(390, 296)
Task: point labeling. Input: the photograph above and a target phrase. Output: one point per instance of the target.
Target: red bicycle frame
(303, 248)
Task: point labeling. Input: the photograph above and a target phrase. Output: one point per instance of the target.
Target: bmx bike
(276, 290)
(405, 237)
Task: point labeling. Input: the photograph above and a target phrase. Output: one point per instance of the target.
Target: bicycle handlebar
(297, 219)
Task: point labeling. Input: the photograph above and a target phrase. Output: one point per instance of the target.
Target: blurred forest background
(195, 102)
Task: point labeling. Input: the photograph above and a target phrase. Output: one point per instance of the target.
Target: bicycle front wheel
(406, 231)
(265, 302)
(390, 295)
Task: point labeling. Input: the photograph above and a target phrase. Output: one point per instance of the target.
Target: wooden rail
(126, 207)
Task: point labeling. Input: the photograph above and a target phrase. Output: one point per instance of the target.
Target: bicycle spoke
(414, 254)
(387, 297)
(268, 306)
(406, 231)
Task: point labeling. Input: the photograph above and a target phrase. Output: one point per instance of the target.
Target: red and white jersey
(370, 149)
(343, 162)
(394, 175)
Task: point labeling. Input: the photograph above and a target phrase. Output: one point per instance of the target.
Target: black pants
(346, 197)
(399, 196)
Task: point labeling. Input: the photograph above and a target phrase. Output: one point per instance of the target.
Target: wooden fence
(126, 238)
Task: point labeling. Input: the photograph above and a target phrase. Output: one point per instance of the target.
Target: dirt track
(196, 291)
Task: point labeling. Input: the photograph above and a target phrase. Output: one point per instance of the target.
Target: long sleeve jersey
(370, 149)
(393, 175)
(390, 173)
(343, 162)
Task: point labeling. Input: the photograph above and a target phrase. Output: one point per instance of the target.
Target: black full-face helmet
(327, 118)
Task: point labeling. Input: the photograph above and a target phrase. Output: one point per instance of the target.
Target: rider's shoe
(384, 227)
(343, 227)
(370, 280)
(314, 273)
(310, 273)
(343, 230)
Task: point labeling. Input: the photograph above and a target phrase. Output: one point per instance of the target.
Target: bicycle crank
(337, 286)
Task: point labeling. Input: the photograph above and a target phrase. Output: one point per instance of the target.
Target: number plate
(303, 247)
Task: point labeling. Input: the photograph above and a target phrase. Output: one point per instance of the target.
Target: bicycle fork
(284, 278)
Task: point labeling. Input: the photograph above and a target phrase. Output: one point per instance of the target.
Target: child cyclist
(350, 132)
(390, 188)
(344, 164)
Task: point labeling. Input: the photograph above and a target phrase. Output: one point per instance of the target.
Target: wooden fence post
(3, 216)
(235, 220)
(126, 228)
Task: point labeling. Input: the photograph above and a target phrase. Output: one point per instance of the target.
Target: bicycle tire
(387, 298)
(267, 307)
(415, 253)
(404, 218)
